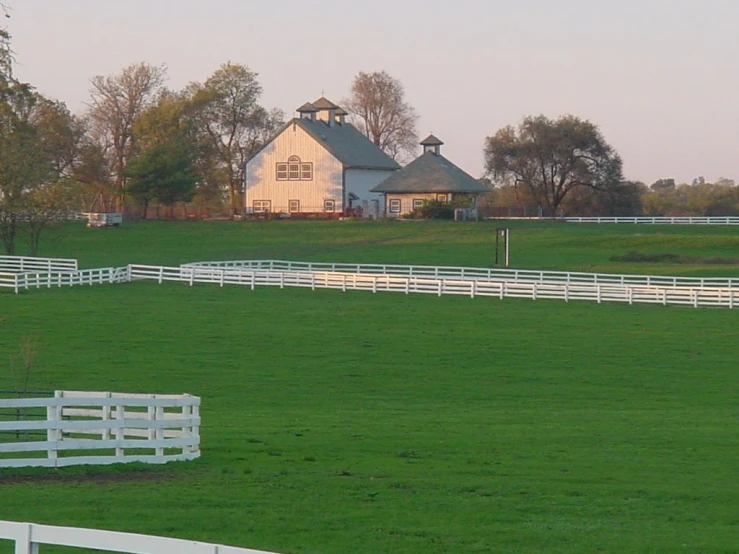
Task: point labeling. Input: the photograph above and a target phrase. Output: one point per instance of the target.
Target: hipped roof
(431, 172)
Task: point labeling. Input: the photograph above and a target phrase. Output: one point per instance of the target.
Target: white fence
(18, 264)
(75, 428)
(441, 280)
(472, 287)
(468, 273)
(105, 275)
(723, 220)
(29, 536)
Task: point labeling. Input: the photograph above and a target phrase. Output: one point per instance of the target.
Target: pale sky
(660, 77)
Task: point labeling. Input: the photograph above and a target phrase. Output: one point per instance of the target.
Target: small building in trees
(430, 177)
(317, 164)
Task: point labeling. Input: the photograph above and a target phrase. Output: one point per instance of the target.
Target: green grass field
(359, 423)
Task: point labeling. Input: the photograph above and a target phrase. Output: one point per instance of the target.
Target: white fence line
(105, 275)
(28, 537)
(158, 428)
(685, 220)
(17, 264)
(503, 283)
(489, 274)
(597, 292)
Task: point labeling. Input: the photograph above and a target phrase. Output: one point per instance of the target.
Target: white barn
(317, 163)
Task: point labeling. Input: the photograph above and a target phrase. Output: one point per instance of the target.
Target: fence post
(106, 417)
(120, 435)
(161, 274)
(24, 544)
(54, 433)
(159, 416)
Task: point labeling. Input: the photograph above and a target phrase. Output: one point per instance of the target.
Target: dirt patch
(97, 477)
(639, 257)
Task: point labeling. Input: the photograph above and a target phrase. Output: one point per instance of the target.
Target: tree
(115, 103)
(163, 172)
(60, 134)
(232, 122)
(551, 158)
(378, 103)
(46, 204)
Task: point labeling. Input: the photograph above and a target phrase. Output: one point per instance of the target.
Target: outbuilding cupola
(432, 144)
(308, 111)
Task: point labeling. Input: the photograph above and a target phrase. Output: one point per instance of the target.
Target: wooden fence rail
(488, 274)
(99, 428)
(98, 276)
(17, 264)
(596, 292)
(29, 536)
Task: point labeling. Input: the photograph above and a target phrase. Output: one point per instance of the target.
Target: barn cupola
(326, 110)
(308, 111)
(432, 144)
(341, 116)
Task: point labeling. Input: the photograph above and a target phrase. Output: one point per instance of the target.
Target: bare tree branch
(378, 104)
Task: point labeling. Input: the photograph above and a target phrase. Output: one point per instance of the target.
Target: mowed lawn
(359, 423)
(534, 245)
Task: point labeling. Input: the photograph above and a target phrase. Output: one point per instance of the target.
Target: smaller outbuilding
(430, 177)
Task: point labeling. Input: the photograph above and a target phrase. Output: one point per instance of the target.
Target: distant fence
(441, 280)
(17, 264)
(76, 428)
(723, 220)
(29, 536)
(472, 287)
(479, 273)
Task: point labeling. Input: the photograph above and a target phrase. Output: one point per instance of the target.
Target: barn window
(394, 206)
(418, 203)
(282, 172)
(262, 206)
(306, 171)
(329, 205)
(293, 163)
(293, 206)
(441, 198)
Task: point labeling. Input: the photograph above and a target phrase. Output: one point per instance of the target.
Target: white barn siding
(261, 175)
(359, 182)
(406, 201)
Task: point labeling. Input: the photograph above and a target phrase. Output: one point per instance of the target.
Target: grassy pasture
(358, 423)
(534, 245)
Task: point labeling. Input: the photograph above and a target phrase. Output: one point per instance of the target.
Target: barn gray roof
(431, 140)
(344, 142)
(431, 172)
(324, 104)
(348, 145)
(307, 108)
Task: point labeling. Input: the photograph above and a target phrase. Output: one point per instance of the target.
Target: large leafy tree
(551, 158)
(228, 115)
(378, 104)
(38, 139)
(163, 172)
(115, 103)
